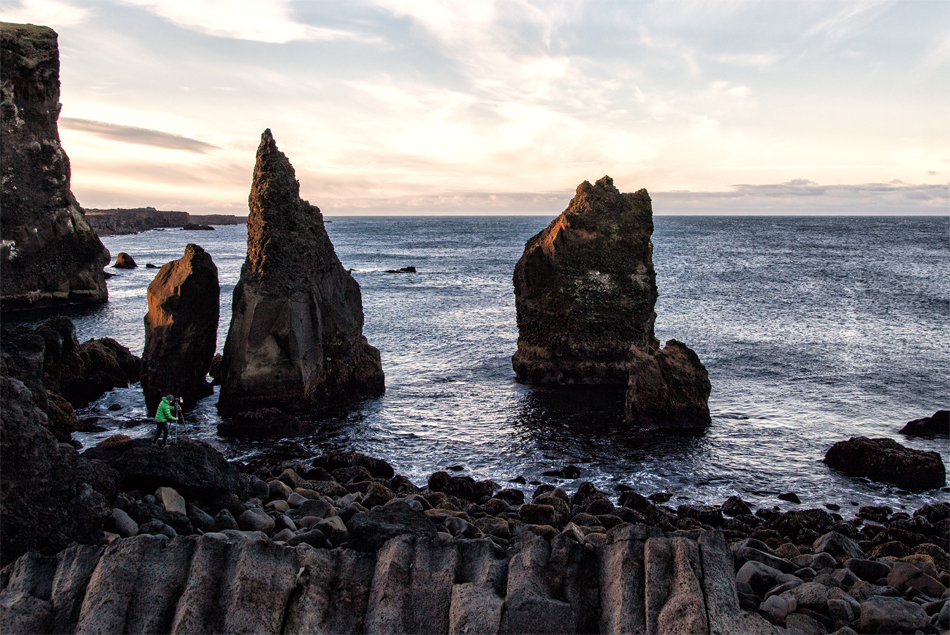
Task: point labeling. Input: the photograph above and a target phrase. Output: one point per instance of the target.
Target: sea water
(813, 330)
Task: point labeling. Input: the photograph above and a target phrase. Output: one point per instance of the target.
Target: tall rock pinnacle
(296, 337)
(585, 290)
(50, 255)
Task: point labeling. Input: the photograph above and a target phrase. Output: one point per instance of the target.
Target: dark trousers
(160, 428)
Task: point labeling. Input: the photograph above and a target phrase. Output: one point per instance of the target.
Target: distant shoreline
(113, 222)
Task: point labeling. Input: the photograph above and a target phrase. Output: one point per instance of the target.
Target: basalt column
(585, 290)
(296, 337)
(49, 254)
(181, 329)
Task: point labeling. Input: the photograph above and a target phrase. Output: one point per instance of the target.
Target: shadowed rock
(668, 389)
(888, 461)
(585, 290)
(295, 340)
(181, 329)
(49, 254)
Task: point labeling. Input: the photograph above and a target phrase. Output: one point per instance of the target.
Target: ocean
(813, 330)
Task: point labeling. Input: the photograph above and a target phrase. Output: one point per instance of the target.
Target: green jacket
(165, 412)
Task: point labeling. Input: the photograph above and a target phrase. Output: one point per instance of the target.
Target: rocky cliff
(585, 289)
(639, 582)
(109, 222)
(50, 255)
(296, 336)
(181, 329)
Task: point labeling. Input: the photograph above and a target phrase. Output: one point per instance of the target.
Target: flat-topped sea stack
(181, 329)
(585, 290)
(49, 254)
(296, 337)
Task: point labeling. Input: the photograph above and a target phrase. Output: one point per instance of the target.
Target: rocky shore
(344, 544)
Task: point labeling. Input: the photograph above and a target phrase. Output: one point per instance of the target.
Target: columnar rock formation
(296, 337)
(668, 389)
(181, 329)
(640, 582)
(49, 254)
(585, 289)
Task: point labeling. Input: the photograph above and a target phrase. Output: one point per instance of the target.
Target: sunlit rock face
(49, 254)
(585, 289)
(181, 329)
(296, 337)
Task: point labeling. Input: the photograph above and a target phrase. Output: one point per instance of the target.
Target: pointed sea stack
(50, 255)
(296, 337)
(585, 290)
(181, 329)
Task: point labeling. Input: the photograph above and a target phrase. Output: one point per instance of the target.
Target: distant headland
(109, 222)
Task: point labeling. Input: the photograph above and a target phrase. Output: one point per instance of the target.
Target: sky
(431, 107)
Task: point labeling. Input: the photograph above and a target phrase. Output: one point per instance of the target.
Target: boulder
(372, 529)
(838, 545)
(181, 329)
(888, 461)
(585, 290)
(296, 336)
(667, 389)
(193, 468)
(49, 254)
(881, 614)
(937, 425)
(265, 423)
(124, 261)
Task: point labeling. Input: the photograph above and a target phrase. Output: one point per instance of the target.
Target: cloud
(44, 12)
(139, 136)
(270, 21)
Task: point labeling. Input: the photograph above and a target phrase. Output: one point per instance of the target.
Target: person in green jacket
(164, 414)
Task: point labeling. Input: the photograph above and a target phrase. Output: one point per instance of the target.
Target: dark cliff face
(181, 329)
(295, 340)
(585, 289)
(50, 255)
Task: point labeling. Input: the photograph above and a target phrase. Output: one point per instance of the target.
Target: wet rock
(376, 494)
(888, 461)
(705, 514)
(194, 469)
(667, 389)
(50, 256)
(890, 615)
(791, 497)
(735, 506)
(181, 329)
(295, 339)
(265, 423)
(867, 569)
(377, 468)
(937, 425)
(585, 290)
(568, 472)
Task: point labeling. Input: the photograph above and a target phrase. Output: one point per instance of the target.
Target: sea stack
(181, 329)
(50, 255)
(585, 290)
(296, 336)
